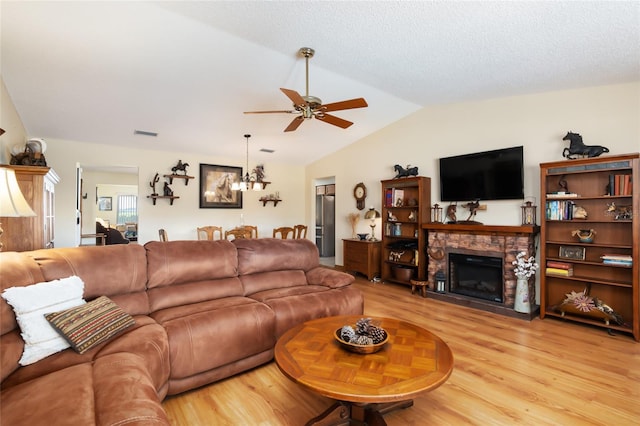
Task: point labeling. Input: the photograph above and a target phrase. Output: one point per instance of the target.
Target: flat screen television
(488, 175)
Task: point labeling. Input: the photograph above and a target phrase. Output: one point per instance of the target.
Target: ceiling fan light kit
(308, 107)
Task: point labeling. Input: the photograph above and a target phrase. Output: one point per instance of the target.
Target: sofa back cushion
(118, 271)
(184, 272)
(273, 254)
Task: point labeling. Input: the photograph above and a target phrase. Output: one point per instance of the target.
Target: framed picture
(215, 187)
(571, 252)
(104, 204)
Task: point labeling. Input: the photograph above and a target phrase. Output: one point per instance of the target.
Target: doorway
(105, 194)
(325, 222)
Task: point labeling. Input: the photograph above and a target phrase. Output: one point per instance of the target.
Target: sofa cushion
(114, 390)
(176, 262)
(118, 271)
(272, 254)
(86, 326)
(263, 281)
(31, 304)
(207, 335)
(146, 339)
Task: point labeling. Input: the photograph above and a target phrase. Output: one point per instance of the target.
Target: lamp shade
(372, 214)
(12, 202)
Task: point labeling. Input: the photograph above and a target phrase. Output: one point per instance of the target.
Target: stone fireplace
(476, 260)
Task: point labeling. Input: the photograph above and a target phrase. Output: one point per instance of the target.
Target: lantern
(436, 213)
(529, 212)
(441, 279)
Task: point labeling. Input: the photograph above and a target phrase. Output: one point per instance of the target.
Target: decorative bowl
(363, 237)
(360, 349)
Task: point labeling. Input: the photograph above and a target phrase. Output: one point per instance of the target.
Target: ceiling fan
(310, 106)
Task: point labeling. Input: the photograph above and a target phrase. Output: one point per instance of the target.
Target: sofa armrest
(328, 277)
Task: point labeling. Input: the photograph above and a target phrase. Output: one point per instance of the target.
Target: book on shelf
(624, 257)
(620, 184)
(559, 209)
(558, 265)
(628, 263)
(559, 272)
(562, 194)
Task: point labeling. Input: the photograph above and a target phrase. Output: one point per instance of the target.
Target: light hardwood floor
(507, 372)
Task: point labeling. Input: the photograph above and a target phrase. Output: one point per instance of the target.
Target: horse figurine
(402, 172)
(620, 212)
(182, 167)
(473, 207)
(577, 148)
(451, 213)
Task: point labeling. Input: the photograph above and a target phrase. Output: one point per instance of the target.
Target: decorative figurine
(168, 192)
(473, 208)
(620, 212)
(578, 149)
(402, 172)
(152, 184)
(584, 235)
(579, 213)
(562, 184)
(391, 217)
(451, 213)
(259, 172)
(180, 167)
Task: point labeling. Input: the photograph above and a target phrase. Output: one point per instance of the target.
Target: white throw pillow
(30, 305)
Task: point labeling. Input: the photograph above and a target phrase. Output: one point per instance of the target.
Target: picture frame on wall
(104, 204)
(215, 187)
(571, 252)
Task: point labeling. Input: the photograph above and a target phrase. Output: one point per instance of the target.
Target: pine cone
(362, 326)
(363, 340)
(347, 333)
(377, 334)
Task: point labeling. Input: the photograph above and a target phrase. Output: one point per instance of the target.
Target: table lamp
(12, 202)
(372, 214)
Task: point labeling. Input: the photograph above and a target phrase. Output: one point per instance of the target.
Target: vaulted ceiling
(97, 71)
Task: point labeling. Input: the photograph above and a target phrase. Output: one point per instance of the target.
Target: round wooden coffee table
(364, 386)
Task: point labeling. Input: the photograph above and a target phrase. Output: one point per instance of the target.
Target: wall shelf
(268, 200)
(170, 198)
(174, 176)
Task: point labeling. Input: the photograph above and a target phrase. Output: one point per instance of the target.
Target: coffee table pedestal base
(342, 413)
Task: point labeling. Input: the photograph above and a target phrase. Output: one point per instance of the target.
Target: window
(127, 208)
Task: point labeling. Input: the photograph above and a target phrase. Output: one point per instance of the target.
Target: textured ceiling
(95, 71)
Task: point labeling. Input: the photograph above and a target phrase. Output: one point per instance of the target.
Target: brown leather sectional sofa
(204, 311)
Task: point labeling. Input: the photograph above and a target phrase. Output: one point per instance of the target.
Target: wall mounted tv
(488, 175)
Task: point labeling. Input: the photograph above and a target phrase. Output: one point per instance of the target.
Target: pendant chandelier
(247, 182)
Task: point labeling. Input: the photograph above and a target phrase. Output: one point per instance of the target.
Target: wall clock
(360, 193)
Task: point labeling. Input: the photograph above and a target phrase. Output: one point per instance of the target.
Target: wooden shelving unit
(616, 285)
(404, 234)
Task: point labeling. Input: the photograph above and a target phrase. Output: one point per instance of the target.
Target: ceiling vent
(144, 133)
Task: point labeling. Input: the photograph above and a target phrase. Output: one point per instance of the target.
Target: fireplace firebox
(476, 276)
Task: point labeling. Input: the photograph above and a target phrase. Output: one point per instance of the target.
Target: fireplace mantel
(482, 229)
(491, 240)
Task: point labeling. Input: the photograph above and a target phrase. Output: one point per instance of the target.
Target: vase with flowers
(524, 269)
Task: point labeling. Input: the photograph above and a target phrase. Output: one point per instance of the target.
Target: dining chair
(242, 233)
(253, 229)
(284, 232)
(163, 235)
(209, 232)
(300, 231)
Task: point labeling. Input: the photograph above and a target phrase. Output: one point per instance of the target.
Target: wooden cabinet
(406, 206)
(616, 235)
(362, 256)
(30, 233)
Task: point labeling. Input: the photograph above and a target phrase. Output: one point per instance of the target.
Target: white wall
(11, 123)
(607, 115)
(180, 220)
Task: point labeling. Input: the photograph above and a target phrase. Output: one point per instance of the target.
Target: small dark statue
(180, 167)
(577, 148)
(402, 172)
(168, 192)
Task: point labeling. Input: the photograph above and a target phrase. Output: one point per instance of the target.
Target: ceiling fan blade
(294, 124)
(295, 97)
(332, 119)
(272, 112)
(350, 104)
